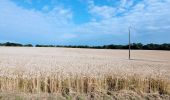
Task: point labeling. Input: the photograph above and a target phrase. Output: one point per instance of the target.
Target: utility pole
(129, 44)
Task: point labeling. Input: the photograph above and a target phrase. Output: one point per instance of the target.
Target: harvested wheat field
(83, 74)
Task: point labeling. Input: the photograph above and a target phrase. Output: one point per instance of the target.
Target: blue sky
(84, 22)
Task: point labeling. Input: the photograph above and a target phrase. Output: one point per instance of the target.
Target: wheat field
(83, 74)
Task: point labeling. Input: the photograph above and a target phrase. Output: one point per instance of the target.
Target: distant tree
(137, 46)
(37, 45)
(151, 46)
(44, 45)
(164, 46)
(28, 45)
(12, 44)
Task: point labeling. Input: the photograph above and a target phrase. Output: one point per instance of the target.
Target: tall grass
(80, 84)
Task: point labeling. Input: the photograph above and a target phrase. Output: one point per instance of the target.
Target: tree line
(137, 46)
(15, 44)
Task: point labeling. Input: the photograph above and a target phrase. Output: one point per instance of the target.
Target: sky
(84, 22)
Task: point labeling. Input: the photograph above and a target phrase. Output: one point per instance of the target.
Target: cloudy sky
(84, 22)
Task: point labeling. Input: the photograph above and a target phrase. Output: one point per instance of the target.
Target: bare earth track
(69, 64)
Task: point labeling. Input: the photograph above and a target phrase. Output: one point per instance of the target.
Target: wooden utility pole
(129, 44)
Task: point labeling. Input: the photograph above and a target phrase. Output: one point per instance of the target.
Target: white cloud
(17, 22)
(148, 17)
(45, 8)
(28, 1)
(145, 14)
(102, 11)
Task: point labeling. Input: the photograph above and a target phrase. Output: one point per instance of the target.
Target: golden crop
(83, 71)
